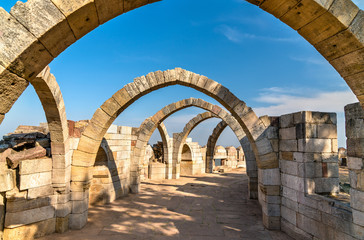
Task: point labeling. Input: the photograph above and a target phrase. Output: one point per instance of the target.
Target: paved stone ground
(210, 206)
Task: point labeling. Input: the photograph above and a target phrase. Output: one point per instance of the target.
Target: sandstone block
(81, 15)
(35, 180)
(288, 214)
(108, 9)
(7, 180)
(309, 212)
(358, 217)
(314, 145)
(32, 231)
(269, 176)
(356, 200)
(77, 220)
(36, 56)
(289, 167)
(62, 224)
(46, 22)
(40, 192)
(35, 166)
(293, 182)
(63, 210)
(14, 158)
(327, 185)
(264, 146)
(327, 131)
(288, 145)
(13, 220)
(355, 163)
(287, 133)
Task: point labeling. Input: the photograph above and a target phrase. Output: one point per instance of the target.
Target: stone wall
(354, 118)
(111, 173)
(309, 174)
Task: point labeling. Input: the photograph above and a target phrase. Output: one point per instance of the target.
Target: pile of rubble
(26, 142)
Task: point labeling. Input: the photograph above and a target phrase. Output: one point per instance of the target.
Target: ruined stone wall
(309, 174)
(354, 118)
(111, 173)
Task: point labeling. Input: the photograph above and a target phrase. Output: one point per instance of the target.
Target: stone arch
(50, 95)
(249, 157)
(253, 127)
(37, 31)
(167, 148)
(149, 125)
(180, 138)
(187, 159)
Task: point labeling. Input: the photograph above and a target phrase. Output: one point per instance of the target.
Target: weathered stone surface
(31, 231)
(35, 180)
(35, 166)
(287, 133)
(288, 145)
(315, 145)
(327, 131)
(356, 200)
(13, 159)
(40, 191)
(7, 180)
(24, 204)
(78, 220)
(81, 15)
(13, 220)
(24, 55)
(46, 22)
(11, 87)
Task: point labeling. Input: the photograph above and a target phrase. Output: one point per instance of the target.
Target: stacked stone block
(111, 175)
(309, 174)
(354, 118)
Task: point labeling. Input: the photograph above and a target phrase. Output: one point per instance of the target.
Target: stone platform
(209, 206)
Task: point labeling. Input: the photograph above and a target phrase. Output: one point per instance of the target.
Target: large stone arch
(37, 31)
(107, 113)
(84, 157)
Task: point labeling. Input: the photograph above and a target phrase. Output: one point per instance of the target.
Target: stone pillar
(354, 119)
(308, 163)
(251, 168)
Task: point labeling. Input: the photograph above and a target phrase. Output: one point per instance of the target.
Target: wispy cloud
(235, 35)
(309, 60)
(281, 102)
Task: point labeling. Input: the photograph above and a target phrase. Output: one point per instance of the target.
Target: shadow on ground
(211, 206)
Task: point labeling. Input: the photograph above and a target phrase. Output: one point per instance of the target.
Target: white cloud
(235, 35)
(282, 102)
(309, 60)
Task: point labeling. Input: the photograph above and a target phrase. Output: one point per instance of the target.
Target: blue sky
(260, 59)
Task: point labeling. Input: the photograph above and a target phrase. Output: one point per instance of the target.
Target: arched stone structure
(249, 156)
(254, 128)
(147, 128)
(50, 95)
(37, 31)
(179, 139)
(167, 147)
